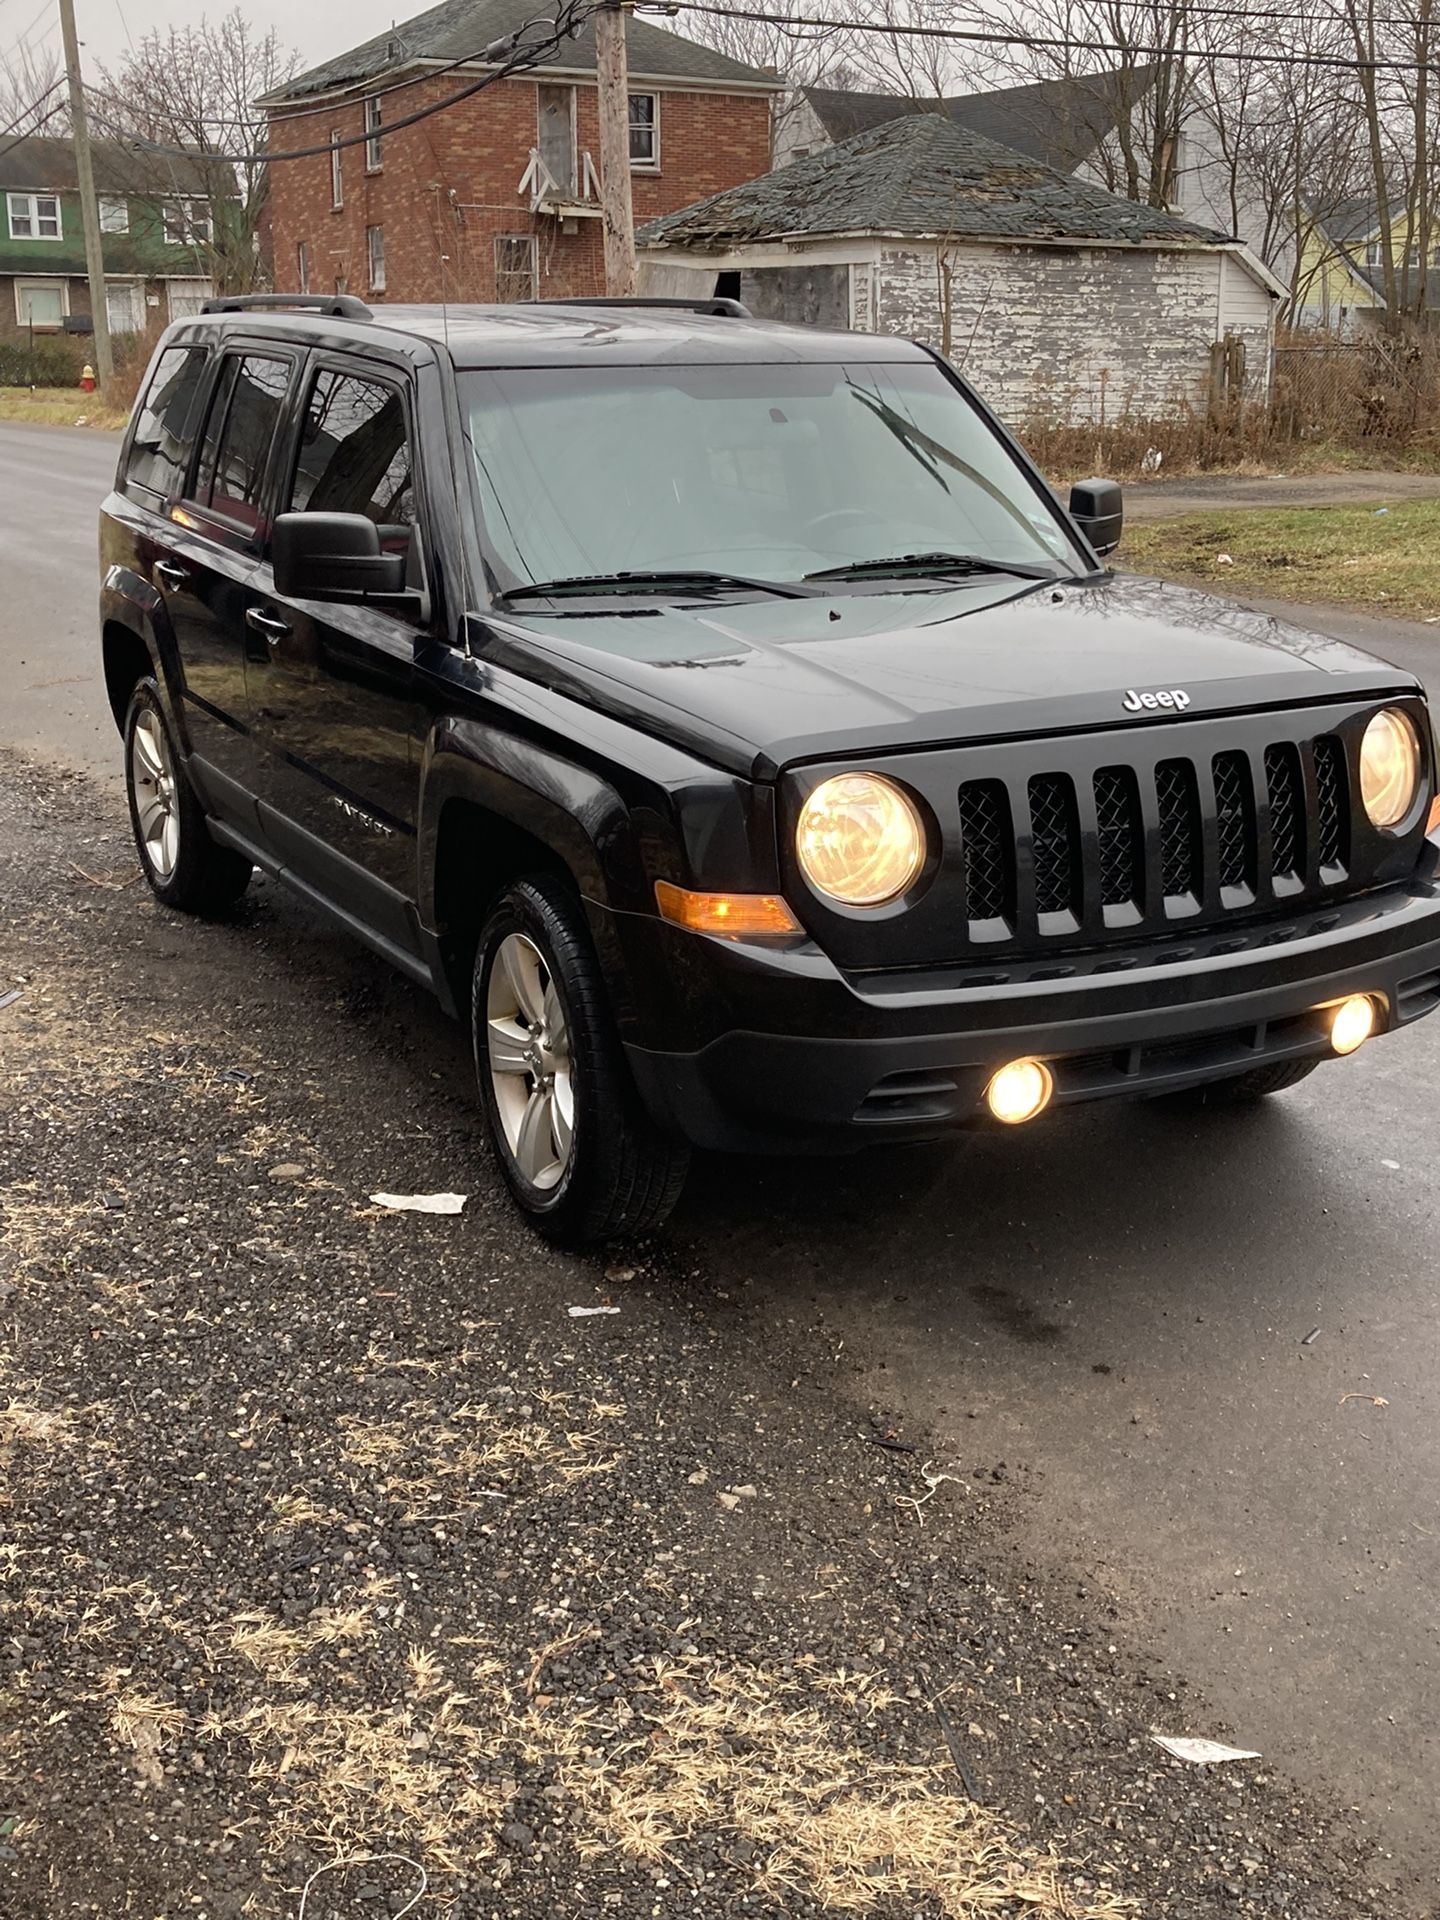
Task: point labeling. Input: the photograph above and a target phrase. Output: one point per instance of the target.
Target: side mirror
(332, 556)
(1098, 508)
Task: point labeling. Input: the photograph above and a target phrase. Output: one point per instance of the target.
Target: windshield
(770, 472)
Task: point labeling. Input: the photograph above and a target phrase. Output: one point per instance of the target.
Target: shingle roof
(921, 175)
(460, 29)
(1058, 122)
(41, 164)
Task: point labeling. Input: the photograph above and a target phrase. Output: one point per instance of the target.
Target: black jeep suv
(728, 717)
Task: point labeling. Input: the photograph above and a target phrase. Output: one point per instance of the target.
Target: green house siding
(142, 253)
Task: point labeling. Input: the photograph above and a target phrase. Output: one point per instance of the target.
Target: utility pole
(612, 69)
(89, 206)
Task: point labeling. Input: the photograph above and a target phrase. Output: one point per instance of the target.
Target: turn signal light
(734, 916)
(1352, 1023)
(1432, 825)
(1020, 1091)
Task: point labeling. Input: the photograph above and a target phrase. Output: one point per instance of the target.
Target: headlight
(859, 840)
(1389, 767)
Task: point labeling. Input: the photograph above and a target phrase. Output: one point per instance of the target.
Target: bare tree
(194, 87)
(800, 56)
(32, 96)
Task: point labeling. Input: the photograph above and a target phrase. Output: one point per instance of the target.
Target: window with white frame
(187, 297)
(375, 250)
(337, 171)
(516, 266)
(374, 157)
(34, 216)
(1374, 254)
(187, 223)
(125, 306)
(114, 214)
(42, 304)
(302, 266)
(644, 130)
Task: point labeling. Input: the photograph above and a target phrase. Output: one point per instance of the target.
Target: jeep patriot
(729, 722)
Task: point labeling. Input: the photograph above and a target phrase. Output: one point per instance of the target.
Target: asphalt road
(1206, 1350)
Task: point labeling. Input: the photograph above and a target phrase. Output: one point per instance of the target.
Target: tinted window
(165, 425)
(355, 456)
(248, 401)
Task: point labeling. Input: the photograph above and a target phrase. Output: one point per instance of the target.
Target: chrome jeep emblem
(1173, 701)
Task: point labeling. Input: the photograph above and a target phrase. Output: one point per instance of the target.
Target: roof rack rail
(718, 304)
(334, 306)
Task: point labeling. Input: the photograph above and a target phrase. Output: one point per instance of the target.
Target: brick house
(158, 228)
(496, 198)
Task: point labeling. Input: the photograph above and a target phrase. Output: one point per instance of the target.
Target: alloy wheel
(528, 1048)
(157, 803)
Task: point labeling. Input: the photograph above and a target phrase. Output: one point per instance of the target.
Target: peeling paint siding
(1069, 333)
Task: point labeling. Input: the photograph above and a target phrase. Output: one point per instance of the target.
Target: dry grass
(61, 407)
(1335, 406)
(442, 1465)
(736, 1751)
(1384, 561)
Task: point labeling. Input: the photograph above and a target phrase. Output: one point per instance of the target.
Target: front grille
(1287, 810)
(1055, 844)
(1332, 802)
(1234, 820)
(987, 843)
(1153, 842)
(1179, 806)
(1120, 835)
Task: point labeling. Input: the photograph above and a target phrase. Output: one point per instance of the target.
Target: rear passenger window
(355, 456)
(165, 425)
(239, 434)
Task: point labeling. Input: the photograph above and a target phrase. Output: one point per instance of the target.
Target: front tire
(582, 1158)
(1245, 1089)
(184, 866)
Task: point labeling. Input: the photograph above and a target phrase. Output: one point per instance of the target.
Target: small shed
(1063, 302)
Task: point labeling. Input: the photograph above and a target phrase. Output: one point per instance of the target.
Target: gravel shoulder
(327, 1532)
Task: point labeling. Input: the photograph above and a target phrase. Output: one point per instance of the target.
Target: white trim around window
(24, 306)
(374, 119)
(114, 213)
(644, 132)
(34, 216)
(337, 170)
(375, 253)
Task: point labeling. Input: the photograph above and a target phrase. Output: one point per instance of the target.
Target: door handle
(173, 576)
(274, 630)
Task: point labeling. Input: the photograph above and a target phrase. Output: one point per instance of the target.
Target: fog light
(1019, 1091)
(1352, 1023)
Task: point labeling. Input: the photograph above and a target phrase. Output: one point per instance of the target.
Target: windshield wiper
(901, 564)
(678, 580)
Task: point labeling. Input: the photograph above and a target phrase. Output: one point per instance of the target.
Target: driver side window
(355, 457)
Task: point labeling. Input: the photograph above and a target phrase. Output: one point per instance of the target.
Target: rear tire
(1246, 1088)
(580, 1155)
(184, 866)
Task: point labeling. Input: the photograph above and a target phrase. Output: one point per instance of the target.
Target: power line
(11, 145)
(1042, 42)
(566, 23)
(34, 107)
(348, 89)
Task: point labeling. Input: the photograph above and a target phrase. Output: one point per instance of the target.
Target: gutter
(352, 92)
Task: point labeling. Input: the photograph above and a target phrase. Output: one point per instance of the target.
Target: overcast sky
(317, 28)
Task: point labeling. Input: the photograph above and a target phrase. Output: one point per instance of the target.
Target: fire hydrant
(87, 379)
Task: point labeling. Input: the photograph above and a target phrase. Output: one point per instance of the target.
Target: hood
(759, 685)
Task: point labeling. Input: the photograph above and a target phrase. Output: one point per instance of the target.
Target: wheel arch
(503, 808)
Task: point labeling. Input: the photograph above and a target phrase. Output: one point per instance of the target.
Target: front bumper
(803, 1058)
